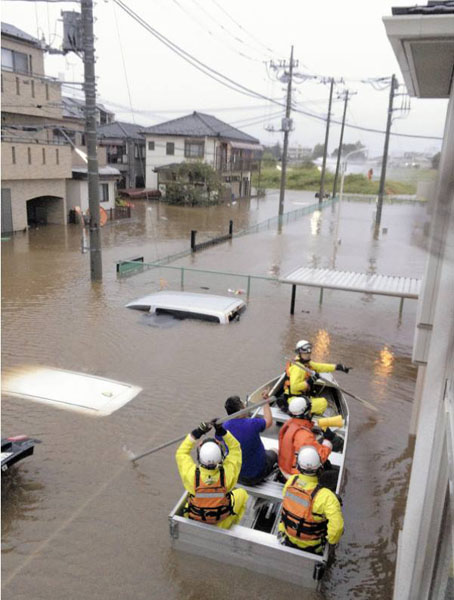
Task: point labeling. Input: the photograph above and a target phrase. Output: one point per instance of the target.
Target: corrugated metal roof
(75, 107)
(402, 287)
(12, 30)
(200, 125)
(120, 129)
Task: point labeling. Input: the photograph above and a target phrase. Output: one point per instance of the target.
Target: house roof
(120, 129)
(200, 125)
(75, 108)
(13, 31)
(433, 7)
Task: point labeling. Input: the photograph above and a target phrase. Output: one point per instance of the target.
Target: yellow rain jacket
(297, 377)
(232, 467)
(325, 506)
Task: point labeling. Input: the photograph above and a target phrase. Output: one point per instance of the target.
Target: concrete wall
(22, 191)
(77, 194)
(54, 164)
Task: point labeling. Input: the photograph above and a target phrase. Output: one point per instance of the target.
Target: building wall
(159, 158)
(22, 191)
(77, 194)
(420, 548)
(30, 163)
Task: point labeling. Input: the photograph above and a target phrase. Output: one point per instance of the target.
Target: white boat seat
(269, 490)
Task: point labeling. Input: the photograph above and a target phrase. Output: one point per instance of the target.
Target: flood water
(79, 520)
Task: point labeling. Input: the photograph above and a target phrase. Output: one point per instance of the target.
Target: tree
(318, 151)
(194, 183)
(436, 160)
(346, 148)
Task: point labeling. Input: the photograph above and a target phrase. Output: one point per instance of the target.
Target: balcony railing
(237, 166)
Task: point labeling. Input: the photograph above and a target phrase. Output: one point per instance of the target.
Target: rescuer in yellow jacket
(311, 515)
(298, 380)
(211, 480)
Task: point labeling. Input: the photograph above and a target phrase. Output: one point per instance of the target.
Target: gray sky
(344, 39)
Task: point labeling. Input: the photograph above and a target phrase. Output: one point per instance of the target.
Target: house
(422, 38)
(125, 151)
(41, 143)
(201, 137)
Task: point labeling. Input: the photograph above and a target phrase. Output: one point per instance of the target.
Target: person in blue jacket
(257, 462)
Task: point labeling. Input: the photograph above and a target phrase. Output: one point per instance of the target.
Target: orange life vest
(297, 514)
(287, 458)
(210, 503)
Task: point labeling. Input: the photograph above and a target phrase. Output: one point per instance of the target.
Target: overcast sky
(143, 81)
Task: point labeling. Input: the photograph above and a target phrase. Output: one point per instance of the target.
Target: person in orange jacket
(297, 432)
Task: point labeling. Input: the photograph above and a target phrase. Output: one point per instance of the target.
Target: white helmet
(209, 454)
(299, 405)
(308, 460)
(303, 346)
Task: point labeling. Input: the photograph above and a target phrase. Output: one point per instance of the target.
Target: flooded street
(79, 521)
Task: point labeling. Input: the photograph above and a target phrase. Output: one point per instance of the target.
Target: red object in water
(370, 172)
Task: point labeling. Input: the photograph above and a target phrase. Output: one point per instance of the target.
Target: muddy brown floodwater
(78, 520)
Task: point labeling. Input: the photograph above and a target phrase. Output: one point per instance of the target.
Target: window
(33, 88)
(13, 154)
(47, 91)
(138, 152)
(170, 148)
(150, 145)
(57, 156)
(44, 156)
(29, 155)
(15, 61)
(194, 149)
(17, 86)
(104, 192)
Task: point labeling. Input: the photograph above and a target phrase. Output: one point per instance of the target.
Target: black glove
(338, 443)
(341, 367)
(219, 429)
(201, 429)
(329, 435)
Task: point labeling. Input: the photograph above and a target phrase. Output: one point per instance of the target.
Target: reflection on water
(321, 345)
(316, 222)
(383, 365)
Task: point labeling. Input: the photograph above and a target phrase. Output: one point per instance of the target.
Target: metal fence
(124, 267)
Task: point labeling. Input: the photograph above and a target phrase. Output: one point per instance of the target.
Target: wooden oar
(335, 385)
(241, 412)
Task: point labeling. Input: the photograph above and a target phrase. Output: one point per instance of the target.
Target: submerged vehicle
(182, 305)
(253, 544)
(15, 449)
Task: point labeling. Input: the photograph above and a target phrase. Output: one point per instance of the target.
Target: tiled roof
(75, 107)
(433, 8)
(14, 31)
(120, 129)
(200, 125)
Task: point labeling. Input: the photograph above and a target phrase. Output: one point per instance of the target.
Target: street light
(341, 192)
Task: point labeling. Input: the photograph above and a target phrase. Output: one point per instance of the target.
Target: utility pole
(90, 134)
(381, 189)
(339, 153)
(325, 149)
(286, 126)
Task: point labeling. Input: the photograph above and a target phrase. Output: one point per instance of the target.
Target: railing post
(292, 302)
(182, 278)
(321, 296)
(248, 287)
(230, 228)
(193, 234)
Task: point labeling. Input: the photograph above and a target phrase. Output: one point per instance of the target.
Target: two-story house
(42, 148)
(198, 136)
(125, 147)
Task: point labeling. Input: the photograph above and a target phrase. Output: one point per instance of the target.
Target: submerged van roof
(221, 308)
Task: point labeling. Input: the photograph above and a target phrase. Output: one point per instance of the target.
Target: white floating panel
(403, 287)
(68, 390)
